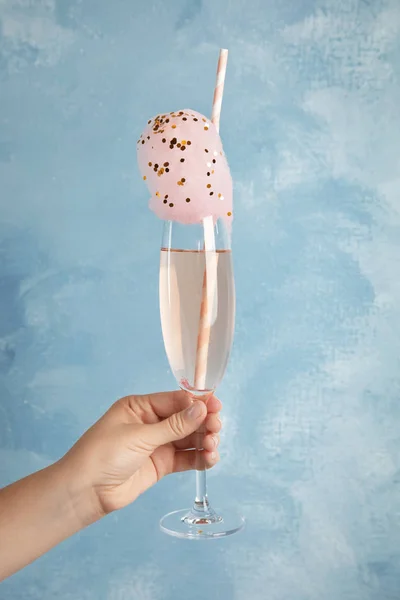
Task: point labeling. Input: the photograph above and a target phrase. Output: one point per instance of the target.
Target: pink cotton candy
(181, 158)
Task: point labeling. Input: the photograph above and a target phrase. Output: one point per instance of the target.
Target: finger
(211, 442)
(164, 404)
(214, 405)
(191, 441)
(185, 461)
(213, 423)
(176, 427)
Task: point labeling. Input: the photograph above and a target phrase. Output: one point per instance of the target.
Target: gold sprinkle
(179, 183)
(213, 171)
(144, 177)
(205, 128)
(204, 120)
(208, 185)
(173, 126)
(150, 164)
(219, 195)
(183, 142)
(158, 194)
(229, 214)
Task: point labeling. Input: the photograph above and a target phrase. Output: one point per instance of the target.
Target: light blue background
(311, 445)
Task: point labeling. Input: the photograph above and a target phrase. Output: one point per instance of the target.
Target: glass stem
(201, 500)
(201, 491)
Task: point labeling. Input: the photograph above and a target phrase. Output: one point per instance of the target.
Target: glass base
(192, 525)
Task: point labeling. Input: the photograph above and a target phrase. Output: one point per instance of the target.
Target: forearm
(38, 512)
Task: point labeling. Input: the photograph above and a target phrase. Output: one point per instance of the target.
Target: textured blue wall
(311, 123)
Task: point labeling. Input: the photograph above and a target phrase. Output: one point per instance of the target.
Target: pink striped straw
(203, 336)
(219, 87)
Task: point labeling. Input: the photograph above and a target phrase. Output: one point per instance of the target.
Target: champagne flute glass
(197, 306)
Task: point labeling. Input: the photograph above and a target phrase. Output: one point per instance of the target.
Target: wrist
(79, 493)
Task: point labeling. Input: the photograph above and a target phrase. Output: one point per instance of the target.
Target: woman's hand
(137, 442)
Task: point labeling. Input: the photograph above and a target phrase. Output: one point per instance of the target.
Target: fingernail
(215, 440)
(194, 411)
(213, 455)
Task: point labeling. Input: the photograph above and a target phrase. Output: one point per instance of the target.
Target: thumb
(177, 426)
